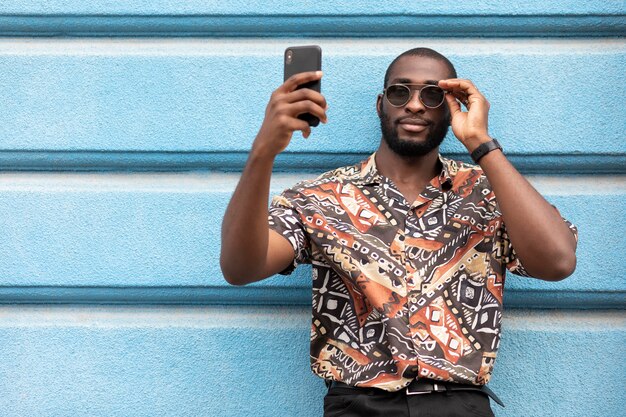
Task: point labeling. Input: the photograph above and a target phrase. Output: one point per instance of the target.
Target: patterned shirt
(400, 290)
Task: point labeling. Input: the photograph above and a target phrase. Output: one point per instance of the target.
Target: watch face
(484, 148)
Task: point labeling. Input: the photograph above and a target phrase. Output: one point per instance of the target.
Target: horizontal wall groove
(275, 295)
(146, 161)
(326, 26)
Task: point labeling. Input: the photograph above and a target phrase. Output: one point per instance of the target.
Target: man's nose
(415, 105)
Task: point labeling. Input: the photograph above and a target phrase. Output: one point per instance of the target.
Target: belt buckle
(409, 392)
(435, 388)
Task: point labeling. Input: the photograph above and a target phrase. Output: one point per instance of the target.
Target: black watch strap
(484, 148)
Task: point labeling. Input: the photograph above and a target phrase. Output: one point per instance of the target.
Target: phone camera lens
(289, 56)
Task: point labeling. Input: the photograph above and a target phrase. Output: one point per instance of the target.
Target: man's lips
(413, 125)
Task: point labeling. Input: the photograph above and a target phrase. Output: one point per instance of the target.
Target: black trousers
(378, 403)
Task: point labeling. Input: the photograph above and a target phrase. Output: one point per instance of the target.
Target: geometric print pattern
(401, 290)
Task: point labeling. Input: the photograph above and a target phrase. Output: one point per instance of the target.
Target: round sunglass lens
(432, 96)
(398, 95)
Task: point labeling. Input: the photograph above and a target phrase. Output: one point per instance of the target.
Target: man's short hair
(424, 52)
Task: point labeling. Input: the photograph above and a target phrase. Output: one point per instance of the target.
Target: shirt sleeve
(285, 219)
(509, 256)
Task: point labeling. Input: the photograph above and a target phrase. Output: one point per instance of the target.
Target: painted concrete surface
(301, 162)
(209, 95)
(160, 230)
(320, 8)
(235, 361)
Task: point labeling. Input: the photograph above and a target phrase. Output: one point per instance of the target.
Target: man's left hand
(469, 127)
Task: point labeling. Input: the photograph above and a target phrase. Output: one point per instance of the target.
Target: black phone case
(304, 59)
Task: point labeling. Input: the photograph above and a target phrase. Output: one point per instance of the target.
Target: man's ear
(379, 103)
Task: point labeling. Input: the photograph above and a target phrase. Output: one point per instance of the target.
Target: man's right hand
(283, 109)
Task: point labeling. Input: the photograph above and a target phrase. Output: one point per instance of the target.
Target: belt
(424, 386)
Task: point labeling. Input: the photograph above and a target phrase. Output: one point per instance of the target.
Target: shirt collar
(369, 175)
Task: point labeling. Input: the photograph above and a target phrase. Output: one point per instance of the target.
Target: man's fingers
(454, 105)
(459, 86)
(307, 106)
(306, 94)
(461, 96)
(301, 125)
(301, 78)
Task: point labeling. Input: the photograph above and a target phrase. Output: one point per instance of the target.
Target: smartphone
(303, 59)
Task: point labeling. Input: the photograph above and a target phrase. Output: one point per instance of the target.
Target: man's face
(414, 129)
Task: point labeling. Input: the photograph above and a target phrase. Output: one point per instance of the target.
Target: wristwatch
(484, 148)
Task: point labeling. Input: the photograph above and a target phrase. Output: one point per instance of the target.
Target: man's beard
(409, 148)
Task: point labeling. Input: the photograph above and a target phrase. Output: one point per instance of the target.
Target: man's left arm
(542, 240)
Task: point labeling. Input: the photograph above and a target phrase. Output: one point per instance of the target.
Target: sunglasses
(399, 95)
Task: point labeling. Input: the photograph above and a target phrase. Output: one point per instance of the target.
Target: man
(409, 249)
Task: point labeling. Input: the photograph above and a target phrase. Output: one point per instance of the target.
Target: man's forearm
(542, 240)
(245, 224)
(250, 250)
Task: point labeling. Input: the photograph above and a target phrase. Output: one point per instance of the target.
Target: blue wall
(124, 125)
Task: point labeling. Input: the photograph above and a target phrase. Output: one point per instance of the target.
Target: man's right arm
(251, 251)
